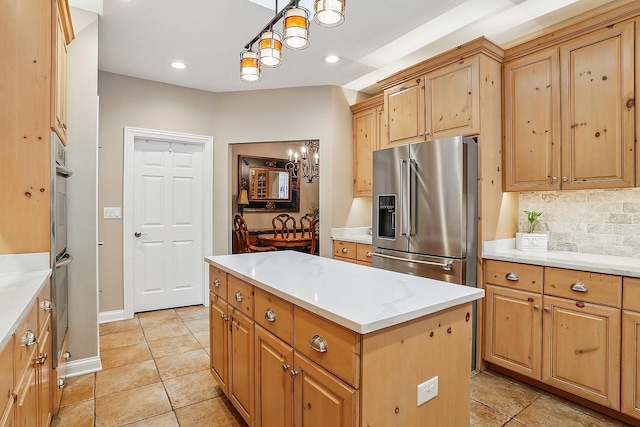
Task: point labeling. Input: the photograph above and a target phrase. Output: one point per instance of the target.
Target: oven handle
(66, 260)
(61, 170)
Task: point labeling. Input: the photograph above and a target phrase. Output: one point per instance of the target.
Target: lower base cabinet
(241, 371)
(631, 363)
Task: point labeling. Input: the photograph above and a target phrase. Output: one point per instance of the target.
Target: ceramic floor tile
(216, 412)
(483, 416)
(193, 312)
(549, 412)
(500, 394)
(77, 415)
(78, 389)
(171, 329)
(168, 419)
(585, 410)
(119, 326)
(122, 356)
(132, 405)
(198, 325)
(151, 319)
(203, 338)
(121, 339)
(192, 388)
(126, 377)
(173, 345)
(182, 364)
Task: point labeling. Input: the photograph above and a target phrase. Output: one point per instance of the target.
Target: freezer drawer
(445, 269)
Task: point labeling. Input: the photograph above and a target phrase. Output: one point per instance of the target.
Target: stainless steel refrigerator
(425, 209)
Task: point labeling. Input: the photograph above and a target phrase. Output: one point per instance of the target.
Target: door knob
(138, 234)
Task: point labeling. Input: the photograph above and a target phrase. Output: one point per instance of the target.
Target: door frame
(130, 135)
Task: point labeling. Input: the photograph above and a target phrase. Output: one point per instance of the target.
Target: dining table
(284, 242)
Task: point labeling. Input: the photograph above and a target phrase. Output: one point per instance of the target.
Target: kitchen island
(323, 342)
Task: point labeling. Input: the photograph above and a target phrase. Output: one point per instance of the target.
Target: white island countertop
(363, 299)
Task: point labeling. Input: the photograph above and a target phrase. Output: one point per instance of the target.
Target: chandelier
(295, 35)
(308, 165)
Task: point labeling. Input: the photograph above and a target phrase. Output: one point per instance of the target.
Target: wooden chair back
(284, 225)
(305, 224)
(313, 227)
(242, 236)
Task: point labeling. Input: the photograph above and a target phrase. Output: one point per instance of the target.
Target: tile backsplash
(603, 222)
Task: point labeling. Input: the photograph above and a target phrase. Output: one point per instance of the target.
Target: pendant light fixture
(249, 67)
(296, 28)
(270, 51)
(329, 13)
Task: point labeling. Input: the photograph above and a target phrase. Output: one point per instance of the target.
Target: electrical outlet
(427, 390)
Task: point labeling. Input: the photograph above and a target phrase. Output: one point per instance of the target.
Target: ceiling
(141, 38)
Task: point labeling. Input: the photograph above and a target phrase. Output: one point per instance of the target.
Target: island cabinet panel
(219, 340)
(240, 295)
(320, 399)
(398, 358)
(241, 369)
(513, 322)
(218, 282)
(598, 134)
(274, 382)
(532, 122)
(275, 315)
(8, 419)
(583, 353)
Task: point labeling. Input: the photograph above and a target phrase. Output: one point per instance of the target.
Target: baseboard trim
(110, 316)
(83, 366)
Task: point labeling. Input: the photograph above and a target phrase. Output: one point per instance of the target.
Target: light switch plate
(110, 213)
(427, 390)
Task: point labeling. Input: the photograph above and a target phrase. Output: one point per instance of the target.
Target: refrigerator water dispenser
(387, 216)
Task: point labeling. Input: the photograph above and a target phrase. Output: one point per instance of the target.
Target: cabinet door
(581, 347)
(453, 100)
(631, 363)
(405, 112)
(26, 402)
(241, 370)
(44, 374)
(59, 98)
(320, 399)
(365, 141)
(274, 383)
(513, 335)
(532, 122)
(8, 419)
(218, 338)
(598, 109)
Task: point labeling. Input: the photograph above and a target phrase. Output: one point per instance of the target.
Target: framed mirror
(269, 186)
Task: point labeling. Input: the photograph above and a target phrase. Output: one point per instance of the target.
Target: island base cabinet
(631, 364)
(583, 354)
(241, 370)
(320, 399)
(396, 359)
(218, 338)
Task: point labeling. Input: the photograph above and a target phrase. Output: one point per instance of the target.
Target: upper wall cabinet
(569, 111)
(368, 132)
(62, 35)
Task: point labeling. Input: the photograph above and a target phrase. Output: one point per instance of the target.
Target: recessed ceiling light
(179, 65)
(331, 59)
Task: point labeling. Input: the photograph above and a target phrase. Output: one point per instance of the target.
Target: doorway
(167, 219)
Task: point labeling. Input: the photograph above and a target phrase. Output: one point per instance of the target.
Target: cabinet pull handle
(554, 179)
(344, 250)
(368, 254)
(294, 373)
(61, 382)
(580, 304)
(546, 309)
(216, 283)
(536, 306)
(319, 344)
(238, 296)
(269, 315)
(40, 360)
(579, 287)
(512, 277)
(285, 368)
(565, 179)
(46, 305)
(66, 355)
(30, 338)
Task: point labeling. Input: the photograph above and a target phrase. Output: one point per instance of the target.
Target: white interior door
(167, 238)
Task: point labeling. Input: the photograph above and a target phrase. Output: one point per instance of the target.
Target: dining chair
(242, 236)
(313, 228)
(305, 224)
(284, 225)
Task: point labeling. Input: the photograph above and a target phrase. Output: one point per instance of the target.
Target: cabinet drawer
(218, 281)
(25, 342)
(344, 249)
(44, 305)
(631, 294)
(524, 277)
(274, 314)
(341, 355)
(240, 295)
(363, 253)
(585, 286)
(6, 375)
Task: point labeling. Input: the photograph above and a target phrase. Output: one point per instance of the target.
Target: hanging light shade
(249, 67)
(329, 13)
(270, 49)
(296, 28)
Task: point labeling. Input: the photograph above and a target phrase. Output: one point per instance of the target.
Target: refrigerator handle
(402, 197)
(410, 163)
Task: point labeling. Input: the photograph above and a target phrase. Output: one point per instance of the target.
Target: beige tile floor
(155, 373)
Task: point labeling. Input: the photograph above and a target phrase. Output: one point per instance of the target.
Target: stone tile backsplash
(588, 221)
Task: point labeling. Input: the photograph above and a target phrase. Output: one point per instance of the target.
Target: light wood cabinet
(219, 333)
(62, 36)
(6, 383)
(241, 366)
(405, 105)
(368, 134)
(355, 253)
(631, 348)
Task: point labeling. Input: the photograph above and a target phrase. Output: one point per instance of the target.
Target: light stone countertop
(504, 250)
(352, 234)
(19, 288)
(363, 299)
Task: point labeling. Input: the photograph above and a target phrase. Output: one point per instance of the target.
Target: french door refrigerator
(425, 209)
